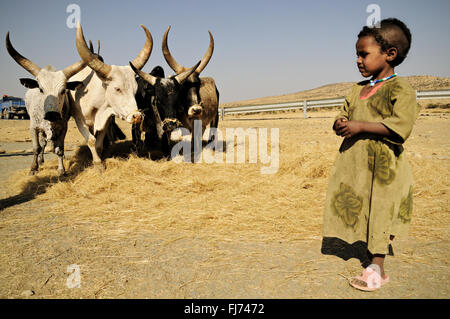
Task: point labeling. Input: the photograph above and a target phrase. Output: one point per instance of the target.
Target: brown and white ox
(201, 97)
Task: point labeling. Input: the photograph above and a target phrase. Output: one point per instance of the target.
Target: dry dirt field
(139, 228)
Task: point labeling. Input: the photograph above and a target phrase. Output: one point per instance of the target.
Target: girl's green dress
(370, 193)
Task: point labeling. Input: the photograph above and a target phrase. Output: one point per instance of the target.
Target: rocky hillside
(418, 82)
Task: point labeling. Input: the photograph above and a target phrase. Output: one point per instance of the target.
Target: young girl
(369, 198)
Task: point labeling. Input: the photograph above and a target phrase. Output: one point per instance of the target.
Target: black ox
(159, 99)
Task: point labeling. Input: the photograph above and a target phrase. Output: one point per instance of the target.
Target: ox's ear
(29, 83)
(73, 85)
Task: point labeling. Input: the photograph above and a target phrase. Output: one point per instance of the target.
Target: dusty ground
(235, 234)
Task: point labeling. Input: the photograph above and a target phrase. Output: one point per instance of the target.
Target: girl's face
(371, 60)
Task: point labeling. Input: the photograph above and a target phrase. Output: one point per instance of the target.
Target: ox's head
(52, 84)
(193, 103)
(165, 99)
(118, 81)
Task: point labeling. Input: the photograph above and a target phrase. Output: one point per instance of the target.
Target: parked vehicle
(11, 106)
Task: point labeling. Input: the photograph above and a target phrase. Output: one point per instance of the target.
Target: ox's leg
(92, 144)
(137, 141)
(42, 143)
(91, 141)
(196, 145)
(152, 145)
(59, 149)
(194, 153)
(213, 126)
(36, 151)
(165, 144)
(192, 129)
(84, 130)
(100, 136)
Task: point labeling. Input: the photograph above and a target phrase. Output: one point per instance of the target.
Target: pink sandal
(370, 280)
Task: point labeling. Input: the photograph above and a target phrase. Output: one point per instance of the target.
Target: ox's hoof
(97, 162)
(100, 167)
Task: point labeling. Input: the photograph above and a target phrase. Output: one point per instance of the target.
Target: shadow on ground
(78, 162)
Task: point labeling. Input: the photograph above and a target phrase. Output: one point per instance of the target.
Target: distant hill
(418, 82)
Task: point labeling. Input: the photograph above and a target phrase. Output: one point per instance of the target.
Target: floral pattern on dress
(347, 205)
(380, 161)
(406, 207)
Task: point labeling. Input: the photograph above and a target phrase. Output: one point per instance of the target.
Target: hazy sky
(262, 48)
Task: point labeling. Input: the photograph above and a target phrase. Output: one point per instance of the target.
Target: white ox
(107, 90)
(46, 103)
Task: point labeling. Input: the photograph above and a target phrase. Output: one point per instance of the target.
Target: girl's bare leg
(378, 259)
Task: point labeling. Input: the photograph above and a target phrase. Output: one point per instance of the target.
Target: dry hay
(210, 199)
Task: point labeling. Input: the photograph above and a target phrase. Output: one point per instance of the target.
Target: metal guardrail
(309, 104)
(440, 94)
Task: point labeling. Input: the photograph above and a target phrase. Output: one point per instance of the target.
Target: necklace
(372, 82)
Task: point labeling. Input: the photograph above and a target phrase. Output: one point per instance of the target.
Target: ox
(48, 107)
(159, 98)
(201, 97)
(107, 90)
(114, 132)
(144, 95)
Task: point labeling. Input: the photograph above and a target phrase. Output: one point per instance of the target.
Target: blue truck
(11, 106)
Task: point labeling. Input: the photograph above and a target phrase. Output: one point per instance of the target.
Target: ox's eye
(40, 90)
(118, 90)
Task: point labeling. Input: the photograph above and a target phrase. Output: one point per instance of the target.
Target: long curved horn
(147, 77)
(208, 54)
(184, 75)
(179, 68)
(21, 60)
(144, 55)
(73, 69)
(168, 56)
(88, 57)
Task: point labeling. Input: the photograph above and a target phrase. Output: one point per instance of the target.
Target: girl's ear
(391, 54)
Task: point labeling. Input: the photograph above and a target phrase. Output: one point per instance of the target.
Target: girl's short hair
(392, 33)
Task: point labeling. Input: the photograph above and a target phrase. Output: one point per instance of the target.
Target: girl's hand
(339, 124)
(349, 129)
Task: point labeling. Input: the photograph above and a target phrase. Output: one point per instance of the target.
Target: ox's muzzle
(134, 118)
(195, 111)
(52, 116)
(52, 109)
(170, 124)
